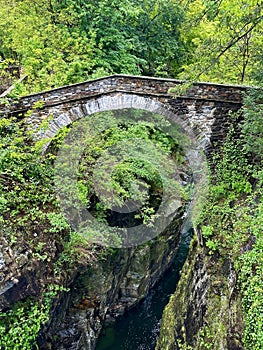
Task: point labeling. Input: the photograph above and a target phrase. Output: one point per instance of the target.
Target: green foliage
(206, 338)
(37, 39)
(223, 39)
(135, 177)
(62, 42)
(232, 218)
(20, 325)
(250, 265)
(77, 251)
(125, 164)
(26, 195)
(30, 214)
(252, 127)
(140, 36)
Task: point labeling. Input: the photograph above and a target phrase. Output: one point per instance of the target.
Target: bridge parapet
(127, 84)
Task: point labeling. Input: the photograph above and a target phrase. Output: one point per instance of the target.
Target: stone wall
(21, 273)
(202, 109)
(126, 84)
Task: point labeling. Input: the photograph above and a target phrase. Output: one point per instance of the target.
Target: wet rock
(204, 309)
(102, 293)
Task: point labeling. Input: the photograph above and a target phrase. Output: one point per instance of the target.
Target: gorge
(96, 285)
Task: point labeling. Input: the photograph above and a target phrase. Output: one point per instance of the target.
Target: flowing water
(138, 328)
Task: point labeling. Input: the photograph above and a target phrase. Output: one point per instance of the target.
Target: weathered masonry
(203, 109)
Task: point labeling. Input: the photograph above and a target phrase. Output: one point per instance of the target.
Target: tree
(133, 36)
(225, 37)
(62, 42)
(42, 42)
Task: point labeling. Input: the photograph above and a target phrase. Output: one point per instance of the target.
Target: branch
(6, 92)
(207, 10)
(236, 40)
(233, 42)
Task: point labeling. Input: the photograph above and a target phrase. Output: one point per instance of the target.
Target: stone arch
(118, 101)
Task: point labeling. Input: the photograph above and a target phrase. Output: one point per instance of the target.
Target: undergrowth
(232, 218)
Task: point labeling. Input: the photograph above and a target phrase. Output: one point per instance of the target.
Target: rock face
(101, 293)
(21, 274)
(205, 310)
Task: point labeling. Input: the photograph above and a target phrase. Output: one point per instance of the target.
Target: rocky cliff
(102, 292)
(205, 311)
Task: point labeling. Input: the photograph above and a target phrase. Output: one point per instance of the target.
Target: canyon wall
(205, 310)
(100, 293)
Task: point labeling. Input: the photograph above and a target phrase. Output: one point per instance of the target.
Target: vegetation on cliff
(31, 215)
(232, 220)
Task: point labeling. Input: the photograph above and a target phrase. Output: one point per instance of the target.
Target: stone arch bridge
(202, 109)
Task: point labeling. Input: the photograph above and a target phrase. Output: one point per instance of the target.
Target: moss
(204, 312)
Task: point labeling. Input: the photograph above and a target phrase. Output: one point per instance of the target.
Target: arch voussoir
(202, 111)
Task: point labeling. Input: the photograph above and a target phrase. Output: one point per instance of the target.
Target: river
(138, 329)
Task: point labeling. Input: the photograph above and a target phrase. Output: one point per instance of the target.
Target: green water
(138, 328)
